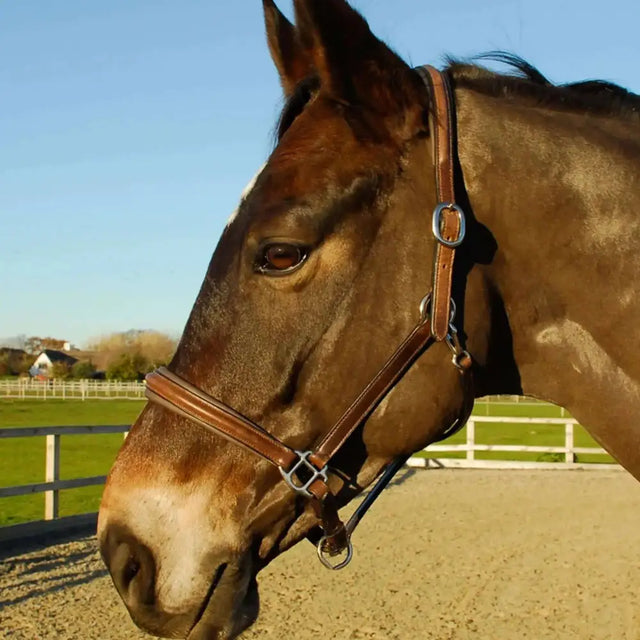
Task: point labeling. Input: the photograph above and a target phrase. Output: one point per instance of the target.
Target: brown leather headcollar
(306, 472)
(448, 223)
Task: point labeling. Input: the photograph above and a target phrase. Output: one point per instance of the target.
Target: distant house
(41, 368)
(45, 361)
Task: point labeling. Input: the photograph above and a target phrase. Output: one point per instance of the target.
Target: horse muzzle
(228, 606)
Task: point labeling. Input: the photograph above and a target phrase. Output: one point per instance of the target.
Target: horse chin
(232, 607)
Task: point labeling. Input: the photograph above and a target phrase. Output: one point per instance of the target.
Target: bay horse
(318, 278)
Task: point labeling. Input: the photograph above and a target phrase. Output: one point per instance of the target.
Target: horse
(321, 275)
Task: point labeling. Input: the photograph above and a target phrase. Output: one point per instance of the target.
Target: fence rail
(53, 485)
(569, 450)
(31, 388)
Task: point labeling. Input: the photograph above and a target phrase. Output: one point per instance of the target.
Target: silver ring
(425, 309)
(325, 557)
(425, 306)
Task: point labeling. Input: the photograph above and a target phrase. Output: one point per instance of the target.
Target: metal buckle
(302, 486)
(425, 309)
(453, 342)
(325, 556)
(437, 219)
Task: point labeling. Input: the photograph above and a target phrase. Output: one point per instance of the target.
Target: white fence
(53, 485)
(30, 388)
(569, 451)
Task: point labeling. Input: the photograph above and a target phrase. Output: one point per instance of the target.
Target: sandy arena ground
(446, 555)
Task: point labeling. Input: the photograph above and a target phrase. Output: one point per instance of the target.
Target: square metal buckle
(310, 474)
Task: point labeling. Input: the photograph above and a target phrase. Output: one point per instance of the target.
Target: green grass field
(523, 434)
(22, 460)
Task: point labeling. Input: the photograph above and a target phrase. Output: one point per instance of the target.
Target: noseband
(307, 472)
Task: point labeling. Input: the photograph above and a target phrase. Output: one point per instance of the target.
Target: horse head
(316, 280)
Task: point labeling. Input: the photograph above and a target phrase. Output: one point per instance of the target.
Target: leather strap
(387, 378)
(171, 391)
(449, 221)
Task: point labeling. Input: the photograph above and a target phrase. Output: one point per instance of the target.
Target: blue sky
(128, 129)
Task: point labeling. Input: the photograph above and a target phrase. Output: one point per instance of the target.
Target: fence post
(569, 456)
(471, 440)
(51, 498)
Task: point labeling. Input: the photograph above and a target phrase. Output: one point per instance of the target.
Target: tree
(153, 347)
(14, 342)
(33, 345)
(14, 362)
(21, 364)
(83, 370)
(129, 366)
(36, 344)
(60, 370)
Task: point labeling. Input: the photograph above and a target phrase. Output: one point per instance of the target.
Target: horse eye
(280, 258)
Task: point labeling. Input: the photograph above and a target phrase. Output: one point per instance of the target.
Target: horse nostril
(132, 567)
(130, 570)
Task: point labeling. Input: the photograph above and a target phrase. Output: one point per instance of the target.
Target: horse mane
(589, 96)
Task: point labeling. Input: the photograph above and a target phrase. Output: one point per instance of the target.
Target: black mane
(296, 103)
(591, 96)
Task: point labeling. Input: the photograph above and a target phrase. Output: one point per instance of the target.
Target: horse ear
(291, 60)
(353, 65)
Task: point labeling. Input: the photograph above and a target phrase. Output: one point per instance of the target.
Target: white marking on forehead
(245, 194)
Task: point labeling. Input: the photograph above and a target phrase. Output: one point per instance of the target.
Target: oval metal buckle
(325, 557)
(437, 220)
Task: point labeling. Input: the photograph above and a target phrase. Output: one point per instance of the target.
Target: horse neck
(552, 187)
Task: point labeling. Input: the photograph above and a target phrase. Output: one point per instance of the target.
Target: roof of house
(59, 356)
(99, 359)
(11, 351)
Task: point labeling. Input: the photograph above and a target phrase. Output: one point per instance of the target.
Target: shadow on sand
(47, 570)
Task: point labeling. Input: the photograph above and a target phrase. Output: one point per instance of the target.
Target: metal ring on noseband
(325, 555)
(437, 220)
